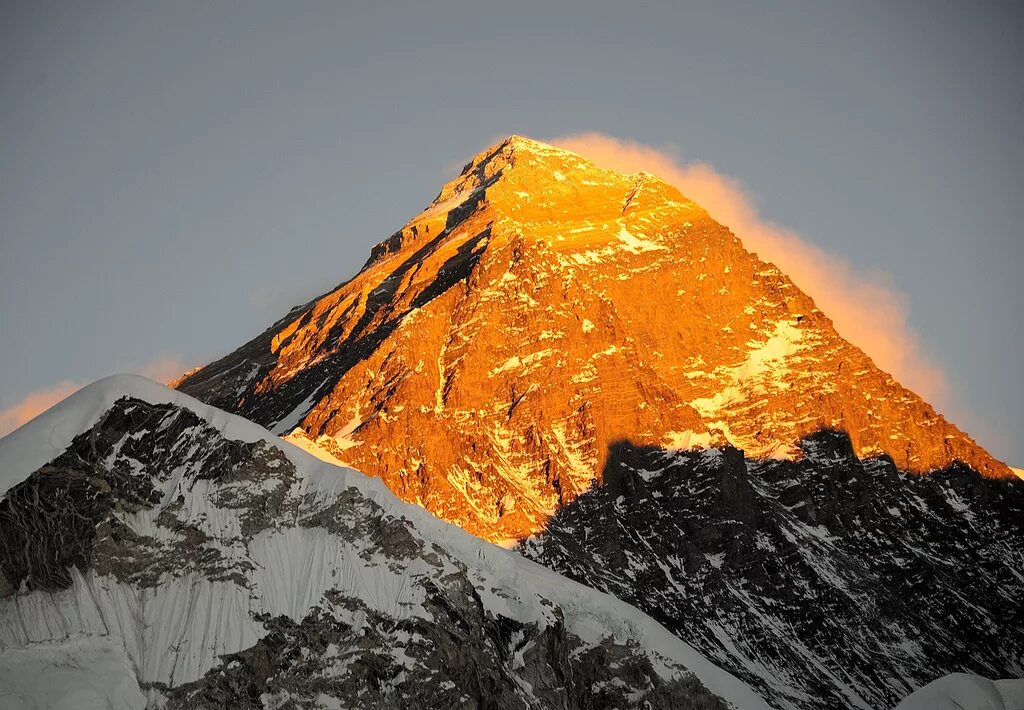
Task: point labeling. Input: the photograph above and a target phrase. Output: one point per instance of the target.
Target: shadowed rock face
(230, 580)
(491, 351)
(825, 582)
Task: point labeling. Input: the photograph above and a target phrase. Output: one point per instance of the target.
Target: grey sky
(174, 175)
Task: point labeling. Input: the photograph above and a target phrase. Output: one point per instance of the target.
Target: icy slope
(963, 691)
(235, 569)
(79, 673)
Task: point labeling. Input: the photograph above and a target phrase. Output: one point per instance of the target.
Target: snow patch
(527, 362)
(764, 370)
(343, 438)
(686, 440)
(964, 691)
(635, 244)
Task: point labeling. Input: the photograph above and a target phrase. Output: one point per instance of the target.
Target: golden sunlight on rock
(491, 352)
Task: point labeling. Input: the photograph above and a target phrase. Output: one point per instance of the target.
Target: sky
(175, 175)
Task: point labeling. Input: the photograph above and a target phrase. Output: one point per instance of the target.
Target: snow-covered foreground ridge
(963, 691)
(228, 545)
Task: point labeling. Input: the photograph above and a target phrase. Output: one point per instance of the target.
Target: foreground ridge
(158, 552)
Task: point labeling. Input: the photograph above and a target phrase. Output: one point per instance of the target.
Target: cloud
(162, 368)
(865, 308)
(35, 403)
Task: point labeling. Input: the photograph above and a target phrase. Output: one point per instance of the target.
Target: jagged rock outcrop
(156, 552)
(490, 352)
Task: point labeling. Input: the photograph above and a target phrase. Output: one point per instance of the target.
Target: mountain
(585, 365)
(157, 552)
(826, 582)
(490, 353)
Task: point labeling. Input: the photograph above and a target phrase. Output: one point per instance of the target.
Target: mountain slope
(157, 548)
(825, 582)
(491, 352)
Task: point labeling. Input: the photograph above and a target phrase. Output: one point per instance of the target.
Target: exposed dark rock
(66, 514)
(807, 577)
(465, 658)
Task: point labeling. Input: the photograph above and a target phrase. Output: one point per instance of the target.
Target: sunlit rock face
(541, 308)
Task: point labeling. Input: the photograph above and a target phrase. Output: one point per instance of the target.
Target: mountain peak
(555, 196)
(536, 164)
(520, 142)
(541, 160)
(572, 360)
(516, 143)
(492, 352)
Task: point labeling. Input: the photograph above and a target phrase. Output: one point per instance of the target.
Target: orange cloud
(162, 368)
(865, 308)
(35, 403)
